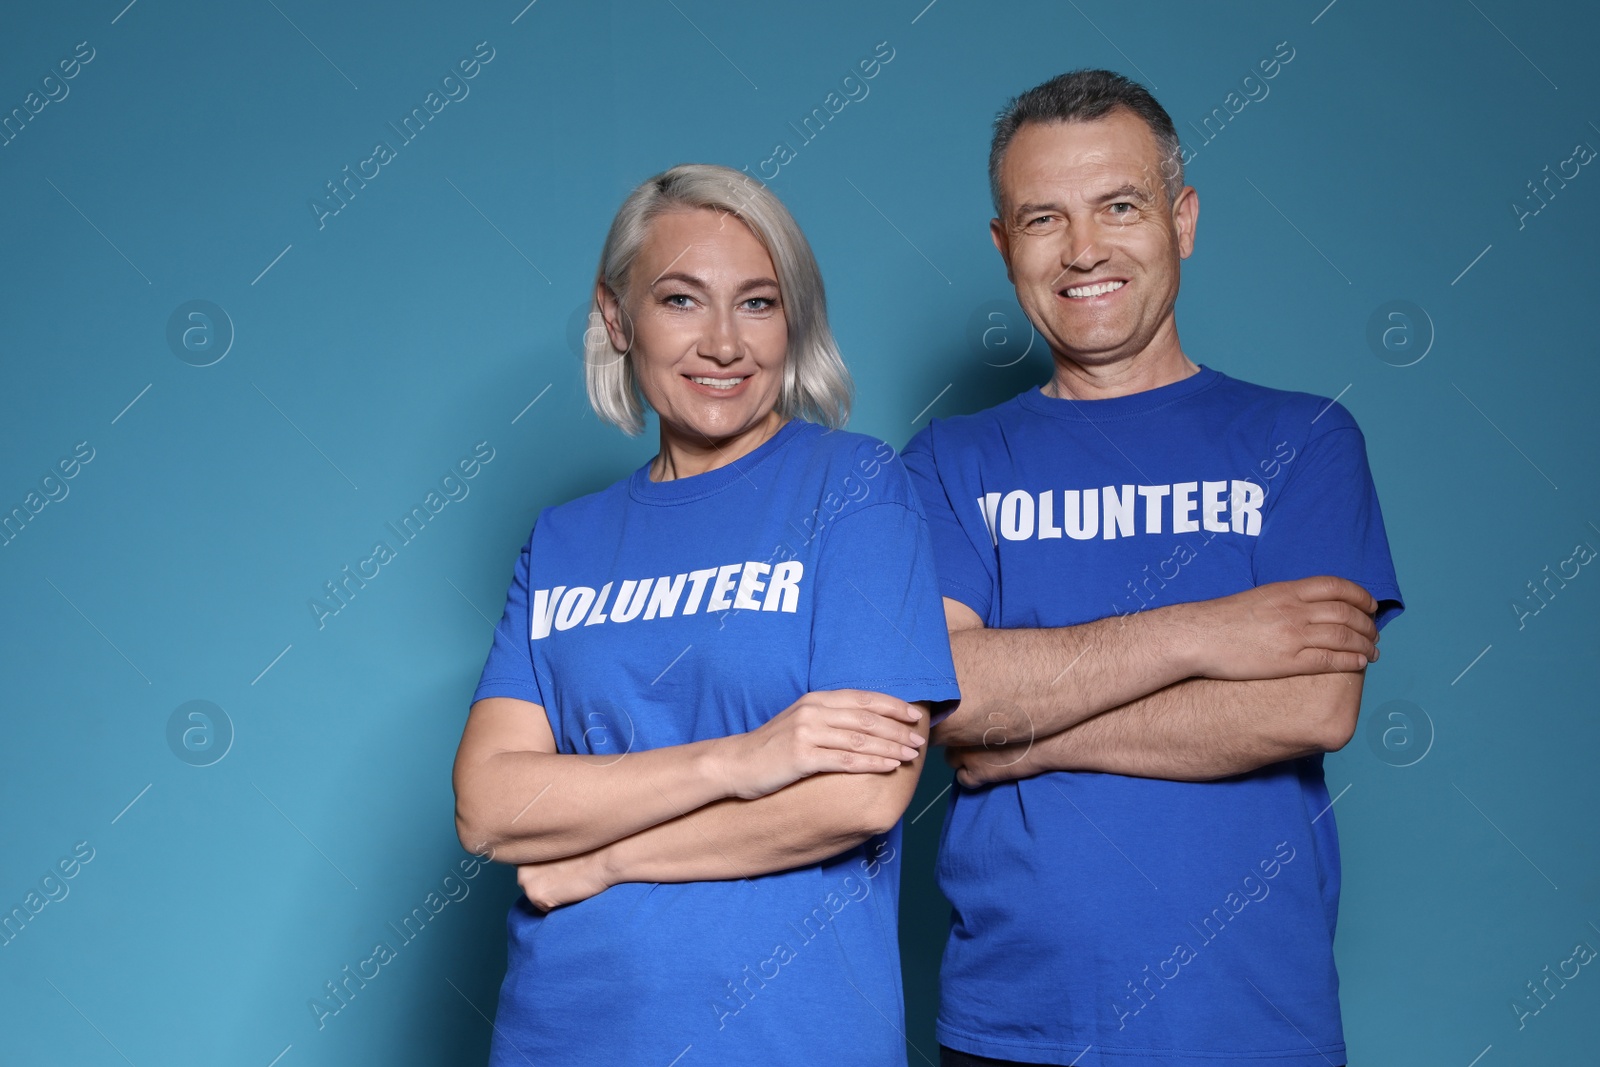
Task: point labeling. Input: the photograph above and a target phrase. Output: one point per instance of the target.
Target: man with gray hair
(1163, 586)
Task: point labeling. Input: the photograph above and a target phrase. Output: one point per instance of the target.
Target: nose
(721, 339)
(1079, 251)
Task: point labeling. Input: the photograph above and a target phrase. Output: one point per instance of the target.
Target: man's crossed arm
(1190, 692)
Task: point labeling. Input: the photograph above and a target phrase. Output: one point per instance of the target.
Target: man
(1140, 850)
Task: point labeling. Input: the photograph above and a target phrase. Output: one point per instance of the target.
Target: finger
(877, 725)
(889, 706)
(1344, 614)
(1328, 661)
(845, 740)
(971, 777)
(1327, 587)
(881, 703)
(1361, 621)
(833, 759)
(1339, 639)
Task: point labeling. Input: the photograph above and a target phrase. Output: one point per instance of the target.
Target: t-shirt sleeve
(1325, 519)
(965, 574)
(878, 623)
(509, 670)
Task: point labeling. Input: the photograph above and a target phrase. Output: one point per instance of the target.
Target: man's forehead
(1055, 178)
(1081, 158)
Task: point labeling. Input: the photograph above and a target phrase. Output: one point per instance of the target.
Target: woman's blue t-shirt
(660, 613)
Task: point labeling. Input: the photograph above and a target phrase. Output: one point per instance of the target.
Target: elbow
(880, 818)
(866, 805)
(464, 832)
(478, 821)
(861, 806)
(472, 834)
(1336, 732)
(1334, 724)
(883, 799)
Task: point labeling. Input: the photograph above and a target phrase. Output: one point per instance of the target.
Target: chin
(725, 424)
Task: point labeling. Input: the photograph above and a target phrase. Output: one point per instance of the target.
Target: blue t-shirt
(1099, 918)
(661, 613)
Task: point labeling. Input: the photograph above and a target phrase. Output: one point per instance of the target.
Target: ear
(1186, 218)
(618, 330)
(1002, 244)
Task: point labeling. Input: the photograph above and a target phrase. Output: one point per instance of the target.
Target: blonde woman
(706, 703)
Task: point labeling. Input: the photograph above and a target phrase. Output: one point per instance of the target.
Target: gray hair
(1082, 96)
(816, 385)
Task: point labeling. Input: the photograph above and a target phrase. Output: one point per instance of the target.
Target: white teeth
(1095, 290)
(717, 383)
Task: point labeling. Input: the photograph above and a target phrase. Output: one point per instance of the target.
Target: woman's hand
(564, 881)
(850, 730)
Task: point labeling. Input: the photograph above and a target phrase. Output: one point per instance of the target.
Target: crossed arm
(1189, 692)
(828, 773)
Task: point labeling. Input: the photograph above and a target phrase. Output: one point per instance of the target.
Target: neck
(685, 453)
(1159, 363)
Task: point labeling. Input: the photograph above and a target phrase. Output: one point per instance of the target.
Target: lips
(717, 384)
(1093, 290)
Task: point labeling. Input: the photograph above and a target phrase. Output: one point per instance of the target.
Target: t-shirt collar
(699, 486)
(1120, 406)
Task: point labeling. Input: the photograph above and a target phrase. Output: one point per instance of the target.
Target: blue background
(440, 307)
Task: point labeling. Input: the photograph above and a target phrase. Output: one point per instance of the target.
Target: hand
(977, 765)
(1284, 629)
(565, 881)
(850, 730)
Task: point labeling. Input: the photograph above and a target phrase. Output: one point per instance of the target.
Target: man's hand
(1284, 629)
(565, 881)
(977, 765)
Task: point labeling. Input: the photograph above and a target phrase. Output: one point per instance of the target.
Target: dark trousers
(949, 1057)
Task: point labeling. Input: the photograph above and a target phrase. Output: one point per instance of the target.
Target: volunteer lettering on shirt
(733, 586)
(1112, 511)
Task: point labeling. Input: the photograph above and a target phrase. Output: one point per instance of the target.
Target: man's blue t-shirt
(660, 613)
(1099, 918)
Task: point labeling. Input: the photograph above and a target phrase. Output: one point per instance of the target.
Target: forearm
(1196, 730)
(532, 807)
(812, 820)
(806, 822)
(1018, 684)
(1025, 684)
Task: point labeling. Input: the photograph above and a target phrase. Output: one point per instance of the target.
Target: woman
(702, 716)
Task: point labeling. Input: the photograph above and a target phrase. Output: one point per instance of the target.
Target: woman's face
(706, 325)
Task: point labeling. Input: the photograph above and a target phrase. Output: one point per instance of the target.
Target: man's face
(1088, 237)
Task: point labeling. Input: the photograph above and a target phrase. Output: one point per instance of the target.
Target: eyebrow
(1125, 191)
(1033, 208)
(682, 278)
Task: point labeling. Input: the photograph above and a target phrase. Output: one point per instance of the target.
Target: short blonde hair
(816, 385)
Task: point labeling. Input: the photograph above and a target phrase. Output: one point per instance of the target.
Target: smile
(716, 383)
(1081, 292)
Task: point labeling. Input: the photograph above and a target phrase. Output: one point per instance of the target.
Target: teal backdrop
(239, 343)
